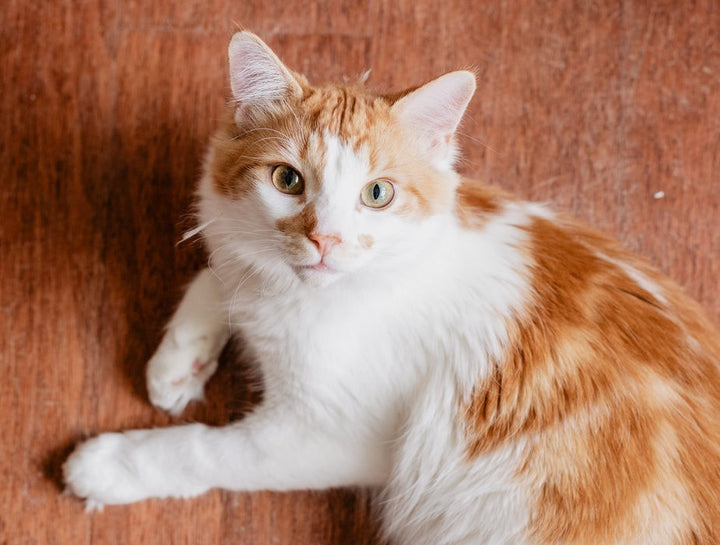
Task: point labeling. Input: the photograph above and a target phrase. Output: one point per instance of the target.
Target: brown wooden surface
(104, 113)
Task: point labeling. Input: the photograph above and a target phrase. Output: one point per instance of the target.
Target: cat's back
(604, 398)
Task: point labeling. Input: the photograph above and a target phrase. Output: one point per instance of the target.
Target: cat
(498, 372)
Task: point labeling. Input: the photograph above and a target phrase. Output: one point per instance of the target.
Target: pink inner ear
(441, 142)
(437, 107)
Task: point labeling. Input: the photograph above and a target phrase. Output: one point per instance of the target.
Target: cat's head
(321, 182)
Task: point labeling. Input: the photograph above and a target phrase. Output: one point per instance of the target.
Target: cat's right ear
(434, 110)
(258, 79)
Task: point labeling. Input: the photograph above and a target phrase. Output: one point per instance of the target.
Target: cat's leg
(187, 355)
(266, 451)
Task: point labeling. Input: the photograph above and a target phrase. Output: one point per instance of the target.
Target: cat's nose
(324, 242)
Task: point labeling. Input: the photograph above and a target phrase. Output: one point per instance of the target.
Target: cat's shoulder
(478, 204)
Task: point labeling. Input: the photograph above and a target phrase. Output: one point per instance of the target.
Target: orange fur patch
(476, 202)
(366, 241)
(422, 190)
(302, 223)
(345, 111)
(240, 156)
(620, 408)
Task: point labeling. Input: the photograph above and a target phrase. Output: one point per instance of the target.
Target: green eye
(377, 194)
(287, 180)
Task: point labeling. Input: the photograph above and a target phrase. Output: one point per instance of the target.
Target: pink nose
(324, 242)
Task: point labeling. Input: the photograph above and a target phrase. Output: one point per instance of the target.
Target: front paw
(102, 471)
(178, 371)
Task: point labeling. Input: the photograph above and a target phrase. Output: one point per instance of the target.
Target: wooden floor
(609, 109)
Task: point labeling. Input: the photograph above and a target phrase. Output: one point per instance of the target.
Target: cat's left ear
(434, 111)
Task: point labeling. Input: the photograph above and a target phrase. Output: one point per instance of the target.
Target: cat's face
(319, 183)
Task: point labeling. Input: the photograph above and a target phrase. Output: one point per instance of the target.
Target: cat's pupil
(376, 191)
(289, 178)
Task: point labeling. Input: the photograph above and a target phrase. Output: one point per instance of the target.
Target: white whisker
(193, 232)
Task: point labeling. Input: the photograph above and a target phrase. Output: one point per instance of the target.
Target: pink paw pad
(198, 366)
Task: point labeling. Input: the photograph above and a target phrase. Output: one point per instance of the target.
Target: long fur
(498, 372)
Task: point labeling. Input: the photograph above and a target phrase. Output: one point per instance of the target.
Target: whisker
(193, 232)
(236, 231)
(235, 257)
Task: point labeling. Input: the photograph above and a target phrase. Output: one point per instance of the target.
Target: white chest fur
(355, 350)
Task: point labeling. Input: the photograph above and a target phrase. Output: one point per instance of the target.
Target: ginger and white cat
(501, 374)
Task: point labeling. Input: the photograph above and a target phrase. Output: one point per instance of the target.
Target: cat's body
(501, 374)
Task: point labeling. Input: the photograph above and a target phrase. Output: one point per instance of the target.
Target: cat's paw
(100, 471)
(178, 371)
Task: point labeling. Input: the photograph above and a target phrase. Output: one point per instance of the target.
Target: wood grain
(105, 110)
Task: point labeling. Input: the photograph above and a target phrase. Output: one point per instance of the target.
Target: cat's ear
(258, 79)
(434, 110)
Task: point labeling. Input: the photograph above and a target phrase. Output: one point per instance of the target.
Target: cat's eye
(377, 194)
(287, 180)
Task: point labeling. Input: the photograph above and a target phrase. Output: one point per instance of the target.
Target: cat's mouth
(320, 266)
(319, 273)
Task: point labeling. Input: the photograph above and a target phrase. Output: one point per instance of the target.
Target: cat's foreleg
(187, 355)
(264, 451)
